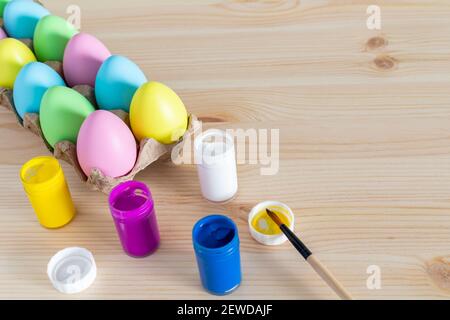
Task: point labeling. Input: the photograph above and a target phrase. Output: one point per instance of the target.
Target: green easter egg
(3, 4)
(51, 36)
(62, 112)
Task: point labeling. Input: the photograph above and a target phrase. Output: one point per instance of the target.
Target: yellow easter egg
(14, 55)
(157, 112)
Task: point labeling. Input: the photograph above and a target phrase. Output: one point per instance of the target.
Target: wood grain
(364, 148)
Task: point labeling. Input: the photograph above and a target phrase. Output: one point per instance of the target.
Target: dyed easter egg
(157, 112)
(62, 113)
(83, 57)
(14, 55)
(106, 143)
(117, 81)
(51, 36)
(3, 4)
(2, 34)
(31, 83)
(21, 17)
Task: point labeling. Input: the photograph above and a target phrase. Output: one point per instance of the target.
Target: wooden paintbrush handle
(328, 277)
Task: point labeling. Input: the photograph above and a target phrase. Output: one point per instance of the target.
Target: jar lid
(72, 270)
(263, 229)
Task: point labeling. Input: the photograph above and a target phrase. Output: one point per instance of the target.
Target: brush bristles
(274, 217)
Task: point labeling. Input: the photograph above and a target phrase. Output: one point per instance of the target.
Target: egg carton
(149, 152)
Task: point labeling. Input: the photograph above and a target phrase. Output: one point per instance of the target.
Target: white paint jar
(215, 157)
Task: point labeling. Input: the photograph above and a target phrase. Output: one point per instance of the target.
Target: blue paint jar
(216, 245)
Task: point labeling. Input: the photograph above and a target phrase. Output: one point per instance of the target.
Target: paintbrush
(313, 261)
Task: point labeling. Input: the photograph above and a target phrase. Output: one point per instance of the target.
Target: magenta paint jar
(132, 209)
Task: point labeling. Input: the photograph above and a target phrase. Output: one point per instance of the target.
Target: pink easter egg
(83, 57)
(2, 34)
(106, 143)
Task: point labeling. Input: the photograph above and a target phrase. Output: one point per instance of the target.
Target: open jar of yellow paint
(46, 187)
(263, 229)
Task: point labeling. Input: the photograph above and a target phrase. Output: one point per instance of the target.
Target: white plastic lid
(72, 270)
(271, 239)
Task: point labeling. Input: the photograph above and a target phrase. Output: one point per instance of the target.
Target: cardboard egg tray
(149, 151)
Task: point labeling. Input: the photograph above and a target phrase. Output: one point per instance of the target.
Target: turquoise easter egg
(116, 83)
(20, 18)
(31, 83)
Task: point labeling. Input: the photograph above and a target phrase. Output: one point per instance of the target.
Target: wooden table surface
(364, 119)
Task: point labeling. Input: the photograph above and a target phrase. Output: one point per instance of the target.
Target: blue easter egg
(31, 83)
(117, 80)
(21, 17)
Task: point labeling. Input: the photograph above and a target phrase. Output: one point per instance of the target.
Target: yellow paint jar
(46, 187)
